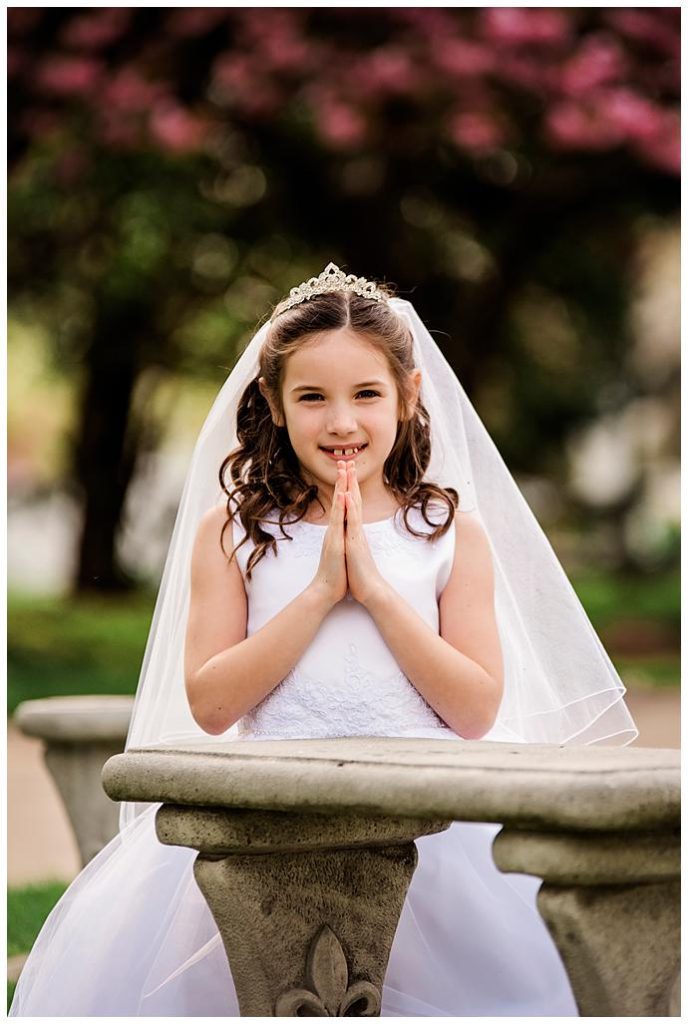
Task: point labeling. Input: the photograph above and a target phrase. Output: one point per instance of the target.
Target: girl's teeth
(345, 451)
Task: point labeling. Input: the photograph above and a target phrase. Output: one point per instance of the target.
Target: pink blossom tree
(164, 157)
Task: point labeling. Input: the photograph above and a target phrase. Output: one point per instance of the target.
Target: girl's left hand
(364, 576)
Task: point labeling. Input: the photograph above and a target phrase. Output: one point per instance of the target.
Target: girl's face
(338, 392)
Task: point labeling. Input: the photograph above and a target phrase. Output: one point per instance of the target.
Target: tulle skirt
(133, 937)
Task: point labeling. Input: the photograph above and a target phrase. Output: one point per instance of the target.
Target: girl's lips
(343, 458)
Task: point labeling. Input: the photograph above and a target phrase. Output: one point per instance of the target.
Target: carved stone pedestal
(307, 926)
(612, 906)
(80, 734)
(306, 852)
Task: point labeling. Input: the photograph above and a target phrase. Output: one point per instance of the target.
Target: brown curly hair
(264, 470)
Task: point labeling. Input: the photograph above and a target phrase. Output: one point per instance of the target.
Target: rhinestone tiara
(332, 279)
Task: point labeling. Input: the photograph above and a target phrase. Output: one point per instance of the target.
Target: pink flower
(598, 61)
(276, 43)
(475, 131)
(339, 125)
(234, 72)
(574, 126)
(67, 76)
(525, 25)
(634, 116)
(432, 22)
(462, 58)
(283, 52)
(653, 132)
(613, 117)
(93, 31)
(383, 72)
(392, 70)
(175, 128)
(648, 27)
(128, 91)
(525, 72)
(237, 83)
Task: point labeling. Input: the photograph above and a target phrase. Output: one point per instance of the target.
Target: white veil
(560, 685)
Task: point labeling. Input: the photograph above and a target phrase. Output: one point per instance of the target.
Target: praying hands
(363, 574)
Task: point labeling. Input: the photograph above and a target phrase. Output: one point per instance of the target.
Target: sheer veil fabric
(560, 685)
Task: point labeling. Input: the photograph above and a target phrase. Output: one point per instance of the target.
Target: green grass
(58, 646)
(27, 909)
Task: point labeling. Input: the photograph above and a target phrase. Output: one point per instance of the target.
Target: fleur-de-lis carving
(330, 994)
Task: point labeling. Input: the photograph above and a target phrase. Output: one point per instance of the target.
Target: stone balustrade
(305, 854)
(79, 735)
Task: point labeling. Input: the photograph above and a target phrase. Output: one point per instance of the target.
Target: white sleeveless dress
(138, 940)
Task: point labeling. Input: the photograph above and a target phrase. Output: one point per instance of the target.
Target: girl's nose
(341, 422)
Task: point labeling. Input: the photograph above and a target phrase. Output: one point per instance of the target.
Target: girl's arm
(227, 673)
(459, 671)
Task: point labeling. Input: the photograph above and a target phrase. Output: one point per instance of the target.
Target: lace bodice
(347, 683)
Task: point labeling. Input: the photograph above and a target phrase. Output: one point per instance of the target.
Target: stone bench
(79, 735)
(305, 853)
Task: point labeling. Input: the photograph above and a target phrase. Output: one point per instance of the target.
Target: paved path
(41, 846)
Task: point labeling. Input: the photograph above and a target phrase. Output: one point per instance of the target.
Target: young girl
(371, 570)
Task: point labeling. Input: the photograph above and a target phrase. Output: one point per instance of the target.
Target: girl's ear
(415, 380)
(277, 418)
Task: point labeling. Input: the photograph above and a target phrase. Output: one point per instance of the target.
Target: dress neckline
(323, 526)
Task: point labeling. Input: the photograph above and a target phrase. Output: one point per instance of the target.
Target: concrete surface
(101, 718)
(40, 846)
(550, 787)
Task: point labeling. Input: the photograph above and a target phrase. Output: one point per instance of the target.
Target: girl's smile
(346, 453)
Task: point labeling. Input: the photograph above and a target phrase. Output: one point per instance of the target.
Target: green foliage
(650, 598)
(59, 647)
(27, 909)
(639, 621)
(651, 672)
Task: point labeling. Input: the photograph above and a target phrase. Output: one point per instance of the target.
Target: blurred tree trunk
(108, 441)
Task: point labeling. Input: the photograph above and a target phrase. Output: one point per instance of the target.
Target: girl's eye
(313, 394)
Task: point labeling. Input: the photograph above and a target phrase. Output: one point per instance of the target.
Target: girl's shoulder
(211, 525)
(215, 529)
(213, 548)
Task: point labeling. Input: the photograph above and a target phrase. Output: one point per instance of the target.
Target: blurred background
(174, 171)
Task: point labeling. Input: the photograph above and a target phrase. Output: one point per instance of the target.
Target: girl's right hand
(331, 579)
